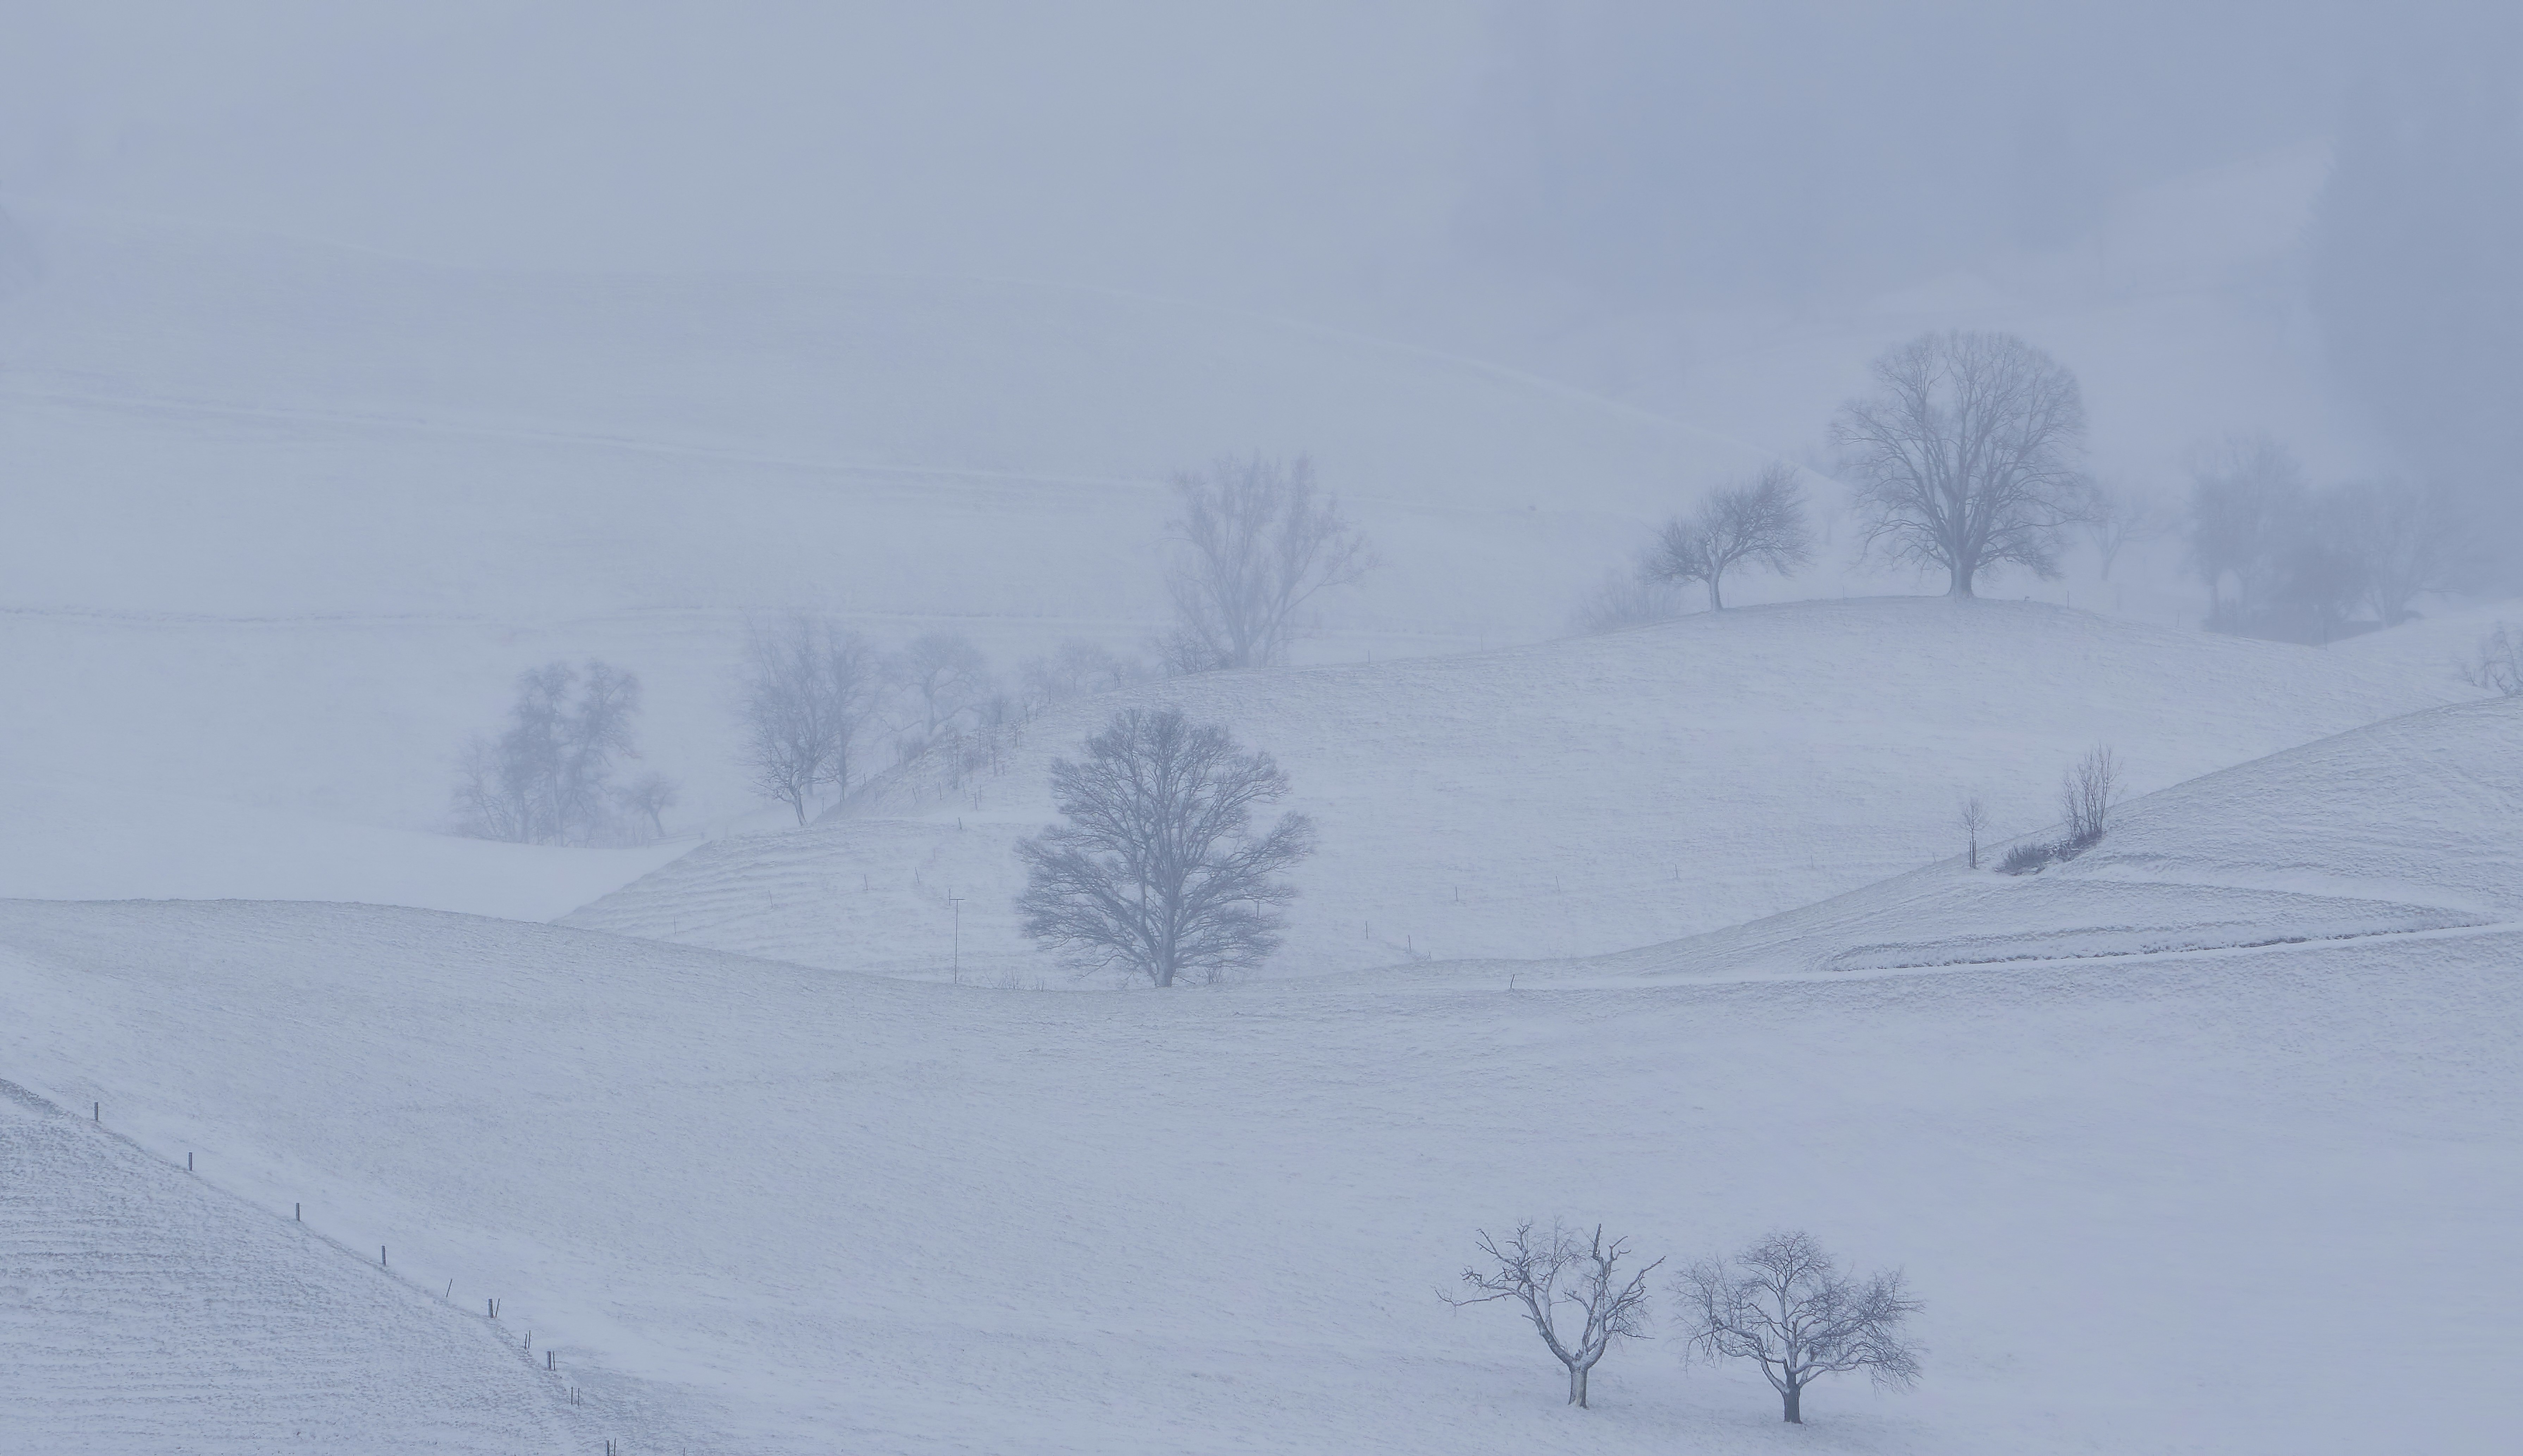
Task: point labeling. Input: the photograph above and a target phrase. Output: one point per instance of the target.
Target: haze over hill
(1583, 796)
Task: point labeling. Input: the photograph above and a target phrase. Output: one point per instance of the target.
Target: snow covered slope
(1575, 798)
(2408, 825)
(2158, 1205)
(286, 521)
(142, 1310)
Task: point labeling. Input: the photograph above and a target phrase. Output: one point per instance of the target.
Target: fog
(788, 725)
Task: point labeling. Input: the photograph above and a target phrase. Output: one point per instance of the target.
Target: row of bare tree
(1781, 1303)
(1968, 459)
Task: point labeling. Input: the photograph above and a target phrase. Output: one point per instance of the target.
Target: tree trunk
(1794, 1398)
(1962, 587)
(1577, 1385)
(1716, 600)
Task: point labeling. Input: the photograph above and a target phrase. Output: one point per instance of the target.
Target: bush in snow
(2086, 796)
(1570, 1290)
(1782, 1304)
(1157, 871)
(2499, 663)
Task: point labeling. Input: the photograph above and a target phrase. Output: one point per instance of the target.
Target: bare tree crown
(1256, 541)
(1759, 523)
(2497, 665)
(547, 778)
(1157, 871)
(1784, 1304)
(810, 689)
(1966, 457)
(1570, 1288)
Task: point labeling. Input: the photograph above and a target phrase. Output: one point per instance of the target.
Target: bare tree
(646, 799)
(2120, 517)
(1256, 542)
(1626, 599)
(1974, 818)
(810, 691)
(2499, 663)
(1549, 1272)
(1077, 669)
(1762, 522)
(2086, 796)
(1784, 1303)
(1157, 871)
(942, 680)
(547, 777)
(2246, 495)
(2405, 539)
(1965, 456)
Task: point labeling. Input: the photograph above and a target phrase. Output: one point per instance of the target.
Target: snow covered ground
(2161, 1204)
(2409, 825)
(143, 1311)
(1573, 798)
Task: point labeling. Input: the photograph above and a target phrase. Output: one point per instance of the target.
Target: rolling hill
(2161, 1203)
(1573, 798)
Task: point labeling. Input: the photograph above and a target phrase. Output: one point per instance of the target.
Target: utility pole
(955, 903)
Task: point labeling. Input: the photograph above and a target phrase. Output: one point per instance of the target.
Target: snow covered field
(2162, 1203)
(2409, 825)
(1578, 797)
(143, 1309)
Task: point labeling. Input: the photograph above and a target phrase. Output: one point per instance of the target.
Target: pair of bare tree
(1157, 871)
(547, 777)
(1782, 1303)
(1255, 544)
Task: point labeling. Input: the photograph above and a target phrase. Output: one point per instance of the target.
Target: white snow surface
(2231, 1203)
(2411, 825)
(146, 1310)
(1575, 798)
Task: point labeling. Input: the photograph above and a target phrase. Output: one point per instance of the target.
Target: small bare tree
(2086, 796)
(2498, 664)
(1626, 599)
(646, 800)
(1078, 669)
(1784, 1303)
(941, 679)
(1256, 541)
(1157, 871)
(810, 691)
(1965, 456)
(1974, 818)
(2120, 517)
(1549, 1272)
(1762, 522)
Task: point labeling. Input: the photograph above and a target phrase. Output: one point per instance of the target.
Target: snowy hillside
(287, 520)
(1574, 798)
(2409, 825)
(148, 1311)
(2160, 1207)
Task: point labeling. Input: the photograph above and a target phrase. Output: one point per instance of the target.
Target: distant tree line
(547, 777)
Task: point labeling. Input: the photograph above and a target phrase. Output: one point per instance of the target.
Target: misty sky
(1310, 157)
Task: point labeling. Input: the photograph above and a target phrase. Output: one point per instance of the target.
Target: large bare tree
(810, 690)
(547, 778)
(1782, 1303)
(1157, 870)
(1761, 522)
(1965, 456)
(1550, 1274)
(1256, 542)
